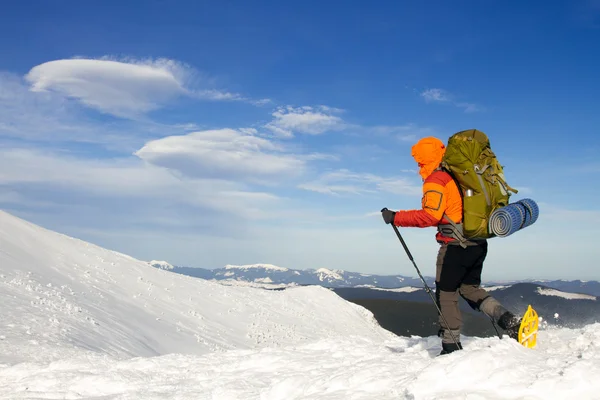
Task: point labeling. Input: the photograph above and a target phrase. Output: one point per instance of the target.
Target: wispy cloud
(26, 115)
(48, 118)
(218, 95)
(344, 181)
(261, 102)
(221, 95)
(588, 217)
(307, 120)
(404, 133)
(65, 179)
(469, 107)
(436, 95)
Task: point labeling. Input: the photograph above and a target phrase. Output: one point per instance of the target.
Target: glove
(388, 215)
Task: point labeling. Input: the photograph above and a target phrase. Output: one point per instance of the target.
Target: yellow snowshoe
(529, 328)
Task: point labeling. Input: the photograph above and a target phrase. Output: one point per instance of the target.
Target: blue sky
(236, 132)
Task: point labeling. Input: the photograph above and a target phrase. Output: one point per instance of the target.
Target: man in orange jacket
(458, 268)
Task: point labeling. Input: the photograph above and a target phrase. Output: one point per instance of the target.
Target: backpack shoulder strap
(453, 230)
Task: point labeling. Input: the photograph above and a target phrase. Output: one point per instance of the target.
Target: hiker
(458, 268)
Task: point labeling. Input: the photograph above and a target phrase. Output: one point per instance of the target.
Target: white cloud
(113, 87)
(261, 102)
(110, 177)
(224, 153)
(437, 95)
(405, 133)
(469, 107)
(49, 118)
(34, 115)
(346, 182)
(26, 171)
(307, 120)
(218, 95)
(127, 88)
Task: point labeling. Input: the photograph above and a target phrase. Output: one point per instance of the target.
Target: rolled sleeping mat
(532, 211)
(509, 219)
(506, 220)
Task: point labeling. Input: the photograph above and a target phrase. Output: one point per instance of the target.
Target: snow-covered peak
(570, 296)
(257, 266)
(327, 274)
(162, 265)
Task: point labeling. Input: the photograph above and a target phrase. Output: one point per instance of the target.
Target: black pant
(458, 271)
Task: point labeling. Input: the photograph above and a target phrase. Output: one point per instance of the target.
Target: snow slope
(60, 295)
(82, 322)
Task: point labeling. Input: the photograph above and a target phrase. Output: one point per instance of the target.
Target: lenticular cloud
(223, 153)
(119, 88)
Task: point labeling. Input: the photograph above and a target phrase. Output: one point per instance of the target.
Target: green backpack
(471, 162)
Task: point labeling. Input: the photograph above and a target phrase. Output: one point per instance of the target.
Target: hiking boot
(448, 348)
(510, 323)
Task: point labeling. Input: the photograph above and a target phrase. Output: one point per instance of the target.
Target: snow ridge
(570, 296)
(329, 275)
(162, 265)
(256, 266)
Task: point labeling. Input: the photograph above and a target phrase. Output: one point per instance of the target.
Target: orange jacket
(440, 193)
(440, 196)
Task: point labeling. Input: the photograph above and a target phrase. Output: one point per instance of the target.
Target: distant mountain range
(401, 304)
(273, 275)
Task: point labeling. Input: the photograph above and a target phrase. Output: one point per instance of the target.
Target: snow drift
(81, 322)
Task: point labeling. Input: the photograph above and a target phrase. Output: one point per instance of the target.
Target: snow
(239, 282)
(570, 296)
(162, 265)
(492, 288)
(327, 274)
(405, 289)
(61, 296)
(82, 322)
(264, 280)
(257, 266)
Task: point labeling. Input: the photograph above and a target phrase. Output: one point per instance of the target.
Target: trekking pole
(496, 328)
(427, 289)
